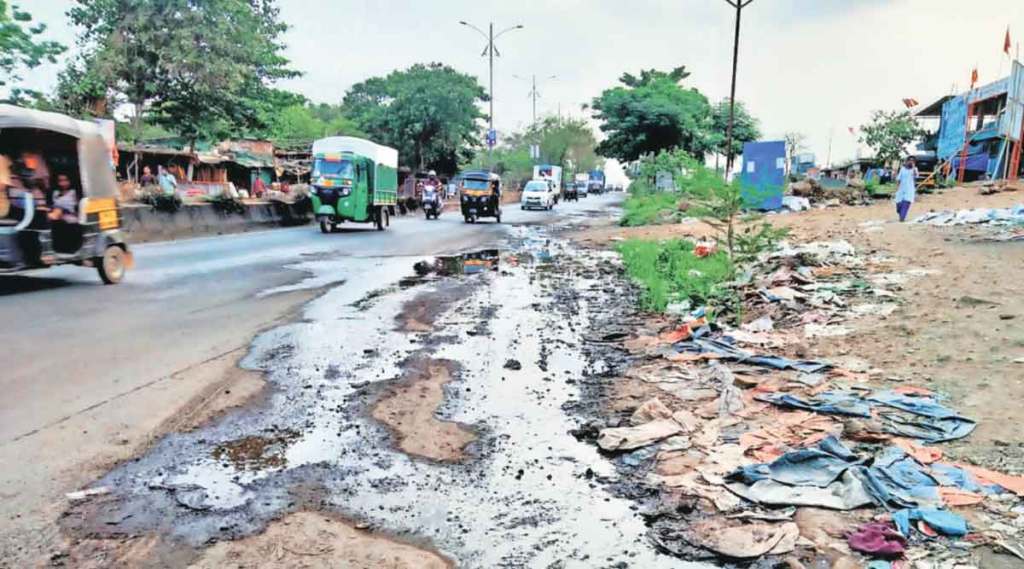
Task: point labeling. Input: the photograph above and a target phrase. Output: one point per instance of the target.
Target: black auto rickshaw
(480, 195)
(42, 227)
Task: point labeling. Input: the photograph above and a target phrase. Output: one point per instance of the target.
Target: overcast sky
(811, 66)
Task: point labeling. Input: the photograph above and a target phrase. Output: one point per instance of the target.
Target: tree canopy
(428, 112)
(201, 68)
(745, 128)
(889, 133)
(21, 45)
(569, 143)
(650, 113)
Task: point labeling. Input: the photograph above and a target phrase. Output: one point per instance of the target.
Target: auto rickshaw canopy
(94, 162)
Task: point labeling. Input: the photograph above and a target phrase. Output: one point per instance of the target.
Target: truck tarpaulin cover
(764, 174)
(1013, 118)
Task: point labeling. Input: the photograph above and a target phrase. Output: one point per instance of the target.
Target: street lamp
(739, 5)
(534, 94)
(491, 50)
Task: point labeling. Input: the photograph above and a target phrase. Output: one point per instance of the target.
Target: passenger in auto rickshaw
(67, 233)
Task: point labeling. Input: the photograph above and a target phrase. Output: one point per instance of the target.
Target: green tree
(201, 68)
(428, 112)
(745, 128)
(889, 133)
(298, 125)
(20, 43)
(651, 113)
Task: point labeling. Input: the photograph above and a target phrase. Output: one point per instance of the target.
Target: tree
(428, 112)
(795, 142)
(20, 43)
(201, 68)
(298, 125)
(652, 113)
(889, 133)
(745, 128)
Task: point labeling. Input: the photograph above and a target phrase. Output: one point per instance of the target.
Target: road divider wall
(143, 223)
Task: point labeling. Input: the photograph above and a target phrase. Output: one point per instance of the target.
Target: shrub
(167, 203)
(669, 271)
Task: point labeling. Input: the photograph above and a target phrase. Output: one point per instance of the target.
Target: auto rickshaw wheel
(497, 216)
(325, 227)
(111, 266)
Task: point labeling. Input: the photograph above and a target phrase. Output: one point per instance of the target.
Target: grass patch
(648, 207)
(668, 271)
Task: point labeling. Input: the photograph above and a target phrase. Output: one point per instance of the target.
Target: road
(93, 374)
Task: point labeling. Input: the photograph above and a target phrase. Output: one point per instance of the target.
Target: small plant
(167, 203)
(670, 271)
(754, 239)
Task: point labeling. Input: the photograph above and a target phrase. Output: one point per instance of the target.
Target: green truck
(353, 180)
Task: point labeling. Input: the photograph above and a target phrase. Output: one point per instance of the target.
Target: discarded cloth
(955, 477)
(878, 539)
(744, 541)
(818, 466)
(918, 405)
(628, 438)
(846, 493)
(928, 429)
(1014, 484)
(726, 351)
(942, 521)
(897, 479)
(829, 402)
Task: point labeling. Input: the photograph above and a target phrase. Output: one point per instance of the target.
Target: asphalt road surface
(90, 369)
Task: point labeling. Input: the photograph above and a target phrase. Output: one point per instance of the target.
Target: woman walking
(907, 191)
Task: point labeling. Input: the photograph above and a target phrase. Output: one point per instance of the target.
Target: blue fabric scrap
(829, 402)
(949, 475)
(817, 466)
(730, 352)
(944, 522)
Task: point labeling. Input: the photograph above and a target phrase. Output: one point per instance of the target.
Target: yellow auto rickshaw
(44, 222)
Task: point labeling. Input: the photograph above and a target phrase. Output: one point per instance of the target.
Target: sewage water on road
(526, 494)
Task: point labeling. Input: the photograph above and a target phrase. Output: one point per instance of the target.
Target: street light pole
(491, 50)
(739, 5)
(534, 94)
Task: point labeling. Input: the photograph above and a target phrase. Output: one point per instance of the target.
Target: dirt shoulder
(960, 327)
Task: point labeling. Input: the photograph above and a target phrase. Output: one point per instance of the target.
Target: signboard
(1013, 117)
(535, 151)
(492, 138)
(953, 127)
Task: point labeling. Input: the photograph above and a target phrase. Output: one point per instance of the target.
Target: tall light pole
(534, 93)
(491, 50)
(739, 5)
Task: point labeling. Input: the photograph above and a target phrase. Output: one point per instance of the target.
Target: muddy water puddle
(524, 492)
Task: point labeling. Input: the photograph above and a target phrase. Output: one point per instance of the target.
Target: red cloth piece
(878, 539)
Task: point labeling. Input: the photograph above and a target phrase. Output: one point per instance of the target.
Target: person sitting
(67, 234)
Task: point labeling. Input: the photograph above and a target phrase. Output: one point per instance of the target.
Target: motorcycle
(430, 201)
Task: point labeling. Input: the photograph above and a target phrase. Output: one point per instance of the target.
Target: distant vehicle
(431, 201)
(580, 181)
(481, 195)
(353, 180)
(537, 195)
(571, 193)
(596, 181)
(553, 174)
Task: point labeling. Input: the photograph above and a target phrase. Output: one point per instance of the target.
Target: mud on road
(428, 403)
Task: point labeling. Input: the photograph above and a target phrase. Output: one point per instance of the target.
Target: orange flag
(1007, 43)
(974, 77)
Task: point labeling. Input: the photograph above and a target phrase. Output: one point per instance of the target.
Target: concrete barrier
(143, 223)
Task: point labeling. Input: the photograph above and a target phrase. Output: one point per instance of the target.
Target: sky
(817, 67)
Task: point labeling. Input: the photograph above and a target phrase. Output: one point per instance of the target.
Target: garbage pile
(986, 224)
(854, 193)
(744, 449)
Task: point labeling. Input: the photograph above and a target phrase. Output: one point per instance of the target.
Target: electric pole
(739, 5)
(491, 50)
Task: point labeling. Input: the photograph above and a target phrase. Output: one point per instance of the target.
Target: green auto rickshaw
(353, 180)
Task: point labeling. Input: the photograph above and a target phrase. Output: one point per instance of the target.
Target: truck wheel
(497, 217)
(111, 266)
(378, 218)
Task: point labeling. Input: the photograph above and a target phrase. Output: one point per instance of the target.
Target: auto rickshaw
(480, 195)
(36, 148)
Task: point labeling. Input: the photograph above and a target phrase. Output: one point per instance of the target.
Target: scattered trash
(796, 203)
(88, 492)
(513, 365)
(878, 539)
(942, 521)
(973, 216)
(744, 541)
